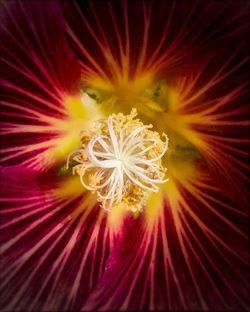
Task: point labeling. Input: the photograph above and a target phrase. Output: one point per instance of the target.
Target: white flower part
(120, 160)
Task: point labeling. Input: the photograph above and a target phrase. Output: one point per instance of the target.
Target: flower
(83, 66)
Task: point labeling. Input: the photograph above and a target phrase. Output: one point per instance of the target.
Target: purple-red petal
(53, 249)
(195, 257)
(38, 71)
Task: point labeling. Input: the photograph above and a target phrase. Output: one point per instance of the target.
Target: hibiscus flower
(124, 155)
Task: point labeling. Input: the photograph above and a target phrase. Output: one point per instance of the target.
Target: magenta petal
(53, 250)
(38, 70)
(195, 257)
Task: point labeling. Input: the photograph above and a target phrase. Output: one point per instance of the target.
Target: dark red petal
(38, 71)
(170, 37)
(53, 248)
(195, 257)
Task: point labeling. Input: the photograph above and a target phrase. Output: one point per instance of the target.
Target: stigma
(120, 160)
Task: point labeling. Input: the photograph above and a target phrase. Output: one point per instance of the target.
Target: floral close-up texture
(124, 163)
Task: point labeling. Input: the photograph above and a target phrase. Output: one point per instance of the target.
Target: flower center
(120, 160)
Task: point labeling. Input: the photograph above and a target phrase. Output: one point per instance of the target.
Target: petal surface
(194, 257)
(172, 37)
(41, 108)
(53, 248)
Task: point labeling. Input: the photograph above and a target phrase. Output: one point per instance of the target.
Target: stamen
(120, 160)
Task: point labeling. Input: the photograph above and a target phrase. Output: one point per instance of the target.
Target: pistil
(120, 160)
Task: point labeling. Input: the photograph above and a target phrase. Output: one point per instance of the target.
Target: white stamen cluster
(120, 160)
